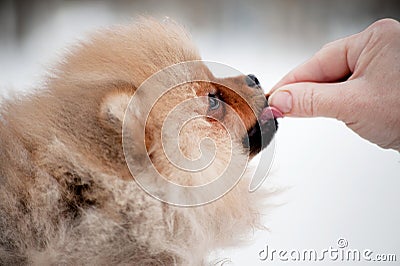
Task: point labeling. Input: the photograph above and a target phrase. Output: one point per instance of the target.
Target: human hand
(355, 80)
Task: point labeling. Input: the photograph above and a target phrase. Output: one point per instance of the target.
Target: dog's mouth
(260, 135)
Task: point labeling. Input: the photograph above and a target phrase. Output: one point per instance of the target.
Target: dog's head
(178, 120)
(177, 99)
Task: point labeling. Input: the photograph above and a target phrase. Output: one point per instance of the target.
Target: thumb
(309, 99)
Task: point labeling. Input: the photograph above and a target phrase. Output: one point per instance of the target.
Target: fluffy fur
(66, 194)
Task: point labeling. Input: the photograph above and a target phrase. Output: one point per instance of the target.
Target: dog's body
(66, 193)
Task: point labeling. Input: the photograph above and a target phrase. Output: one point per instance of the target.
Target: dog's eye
(213, 102)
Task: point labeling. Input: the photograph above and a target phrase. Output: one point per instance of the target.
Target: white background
(338, 185)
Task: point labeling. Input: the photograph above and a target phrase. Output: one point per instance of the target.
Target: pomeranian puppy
(68, 195)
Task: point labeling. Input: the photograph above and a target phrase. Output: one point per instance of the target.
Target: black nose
(252, 81)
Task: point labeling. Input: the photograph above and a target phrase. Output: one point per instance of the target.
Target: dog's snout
(252, 81)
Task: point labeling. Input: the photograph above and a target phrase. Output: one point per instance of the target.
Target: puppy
(67, 192)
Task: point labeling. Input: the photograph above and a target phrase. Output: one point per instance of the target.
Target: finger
(327, 65)
(308, 99)
(334, 62)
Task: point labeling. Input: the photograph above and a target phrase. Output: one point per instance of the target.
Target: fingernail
(281, 100)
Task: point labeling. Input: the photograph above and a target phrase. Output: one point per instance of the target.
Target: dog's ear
(113, 108)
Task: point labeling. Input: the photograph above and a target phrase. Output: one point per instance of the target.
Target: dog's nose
(252, 81)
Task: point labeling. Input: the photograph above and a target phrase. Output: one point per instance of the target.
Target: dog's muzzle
(260, 135)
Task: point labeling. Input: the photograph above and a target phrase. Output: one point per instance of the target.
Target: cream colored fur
(66, 195)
